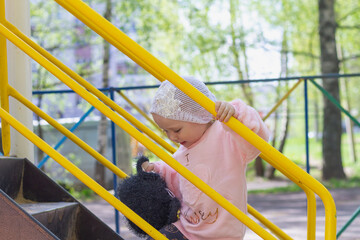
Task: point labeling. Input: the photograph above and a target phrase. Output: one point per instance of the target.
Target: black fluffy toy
(146, 194)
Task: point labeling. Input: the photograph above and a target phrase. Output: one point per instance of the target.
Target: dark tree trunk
(259, 167)
(332, 162)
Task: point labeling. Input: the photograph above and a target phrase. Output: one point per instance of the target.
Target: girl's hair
(170, 102)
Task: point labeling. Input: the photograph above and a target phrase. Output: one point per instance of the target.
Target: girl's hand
(148, 167)
(224, 111)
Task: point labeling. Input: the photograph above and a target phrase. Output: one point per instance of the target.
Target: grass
(291, 188)
(83, 194)
(352, 182)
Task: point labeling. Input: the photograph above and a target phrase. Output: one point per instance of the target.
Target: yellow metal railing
(150, 63)
(283, 98)
(162, 72)
(132, 131)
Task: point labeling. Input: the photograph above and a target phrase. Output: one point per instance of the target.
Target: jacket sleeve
(170, 176)
(251, 119)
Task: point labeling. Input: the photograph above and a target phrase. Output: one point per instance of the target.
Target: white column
(19, 67)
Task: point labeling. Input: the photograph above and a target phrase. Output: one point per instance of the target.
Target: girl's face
(185, 133)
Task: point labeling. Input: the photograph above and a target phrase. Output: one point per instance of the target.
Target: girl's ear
(174, 211)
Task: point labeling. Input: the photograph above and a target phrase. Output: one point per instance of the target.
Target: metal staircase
(32, 206)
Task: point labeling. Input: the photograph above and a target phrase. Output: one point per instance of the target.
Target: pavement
(286, 210)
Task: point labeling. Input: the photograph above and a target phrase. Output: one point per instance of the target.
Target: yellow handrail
(135, 133)
(135, 52)
(74, 170)
(283, 98)
(67, 133)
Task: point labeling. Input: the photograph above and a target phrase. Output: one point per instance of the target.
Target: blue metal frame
(62, 140)
(209, 83)
(306, 109)
(113, 144)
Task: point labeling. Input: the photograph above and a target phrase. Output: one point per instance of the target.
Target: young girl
(210, 150)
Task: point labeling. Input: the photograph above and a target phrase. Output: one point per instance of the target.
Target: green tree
(155, 25)
(306, 41)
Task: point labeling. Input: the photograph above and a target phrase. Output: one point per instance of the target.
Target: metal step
(17, 224)
(58, 217)
(45, 204)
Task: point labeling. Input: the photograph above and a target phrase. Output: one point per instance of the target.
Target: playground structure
(98, 100)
